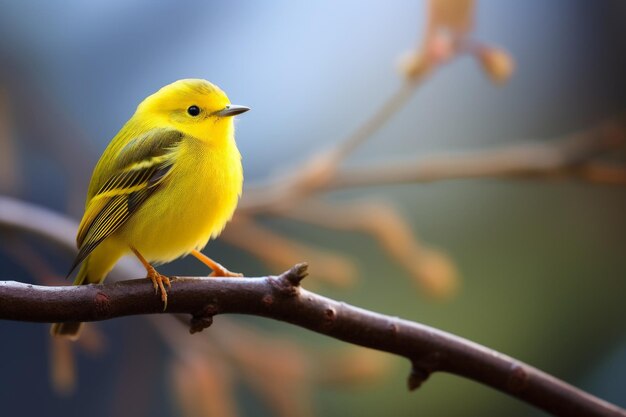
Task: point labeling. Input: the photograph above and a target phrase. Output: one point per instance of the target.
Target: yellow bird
(168, 182)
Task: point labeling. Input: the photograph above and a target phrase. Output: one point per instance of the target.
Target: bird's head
(195, 107)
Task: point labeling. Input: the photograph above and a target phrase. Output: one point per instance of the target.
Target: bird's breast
(193, 204)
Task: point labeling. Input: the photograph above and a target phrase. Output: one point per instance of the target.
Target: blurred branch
(430, 268)
(447, 36)
(10, 178)
(571, 157)
(280, 252)
(220, 350)
(281, 298)
(582, 156)
(293, 193)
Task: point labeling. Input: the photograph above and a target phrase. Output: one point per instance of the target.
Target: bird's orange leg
(218, 270)
(157, 279)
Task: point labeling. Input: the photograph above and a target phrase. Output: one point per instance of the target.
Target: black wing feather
(145, 168)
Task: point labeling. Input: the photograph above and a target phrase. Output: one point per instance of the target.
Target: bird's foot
(221, 271)
(159, 281)
(218, 270)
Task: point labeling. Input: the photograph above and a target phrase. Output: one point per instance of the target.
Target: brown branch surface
(281, 298)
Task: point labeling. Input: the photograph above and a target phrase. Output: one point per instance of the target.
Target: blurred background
(534, 267)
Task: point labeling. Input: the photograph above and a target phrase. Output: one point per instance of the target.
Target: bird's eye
(193, 110)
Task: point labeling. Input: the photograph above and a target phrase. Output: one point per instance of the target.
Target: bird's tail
(68, 329)
(71, 329)
(93, 270)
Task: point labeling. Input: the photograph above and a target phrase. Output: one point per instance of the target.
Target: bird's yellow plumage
(168, 182)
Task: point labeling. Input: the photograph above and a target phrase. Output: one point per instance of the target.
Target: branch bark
(281, 298)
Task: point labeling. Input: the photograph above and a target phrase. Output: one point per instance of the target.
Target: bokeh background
(541, 264)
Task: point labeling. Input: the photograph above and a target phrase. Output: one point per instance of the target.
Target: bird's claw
(159, 281)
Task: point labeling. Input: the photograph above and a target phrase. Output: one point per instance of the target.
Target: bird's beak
(231, 110)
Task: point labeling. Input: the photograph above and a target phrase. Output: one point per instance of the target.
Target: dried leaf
(447, 25)
(454, 15)
(278, 369)
(436, 274)
(353, 366)
(203, 387)
(414, 65)
(280, 252)
(62, 366)
(497, 63)
(395, 236)
(92, 340)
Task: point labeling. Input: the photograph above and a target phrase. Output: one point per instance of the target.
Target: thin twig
(322, 167)
(572, 157)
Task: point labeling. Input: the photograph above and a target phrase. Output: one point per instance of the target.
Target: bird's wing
(139, 168)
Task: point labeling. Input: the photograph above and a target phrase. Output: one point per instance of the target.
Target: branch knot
(102, 303)
(202, 319)
(288, 282)
(422, 368)
(518, 379)
(296, 274)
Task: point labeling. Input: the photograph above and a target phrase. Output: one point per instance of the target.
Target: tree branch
(570, 157)
(281, 298)
(429, 350)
